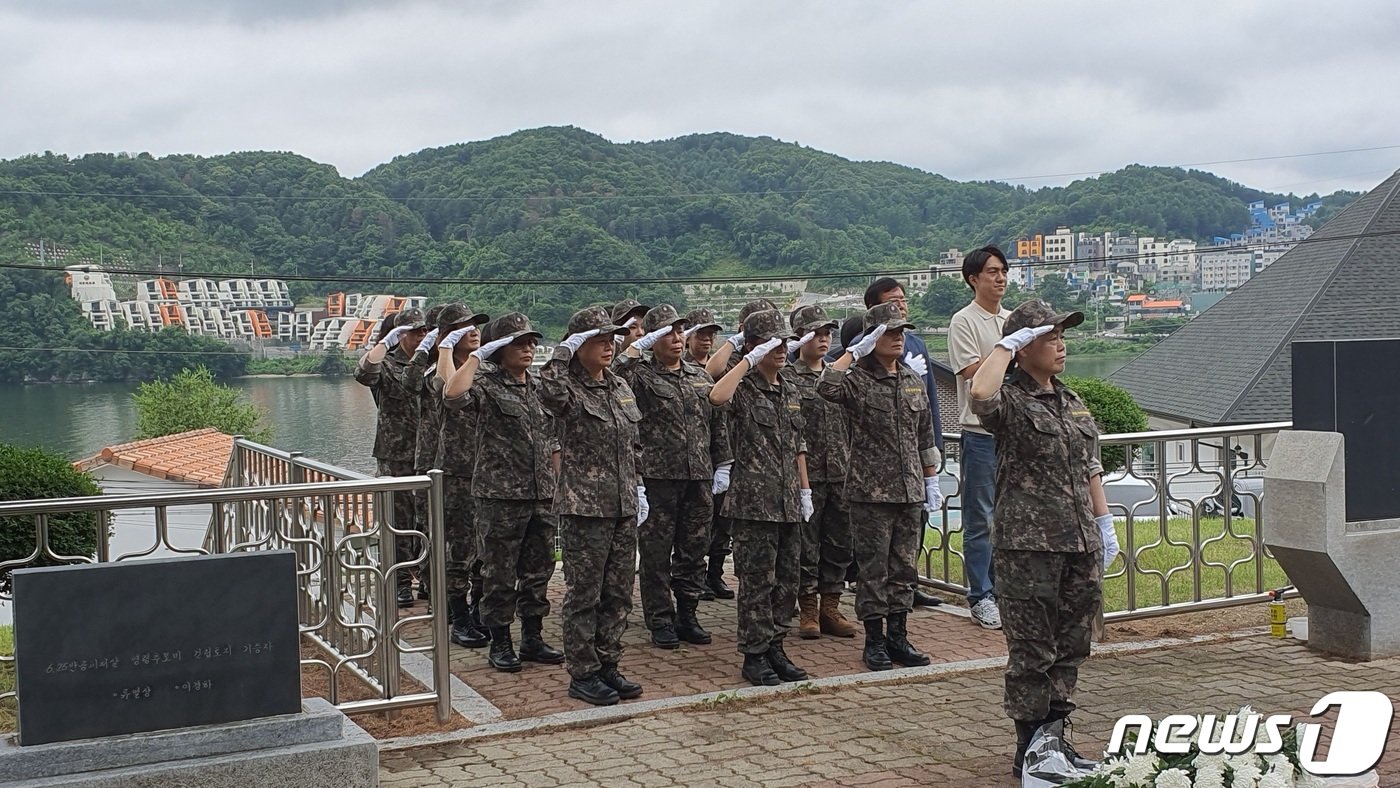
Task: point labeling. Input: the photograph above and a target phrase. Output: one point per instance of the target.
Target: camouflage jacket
(419, 376)
(514, 436)
(683, 435)
(456, 451)
(600, 449)
(396, 432)
(828, 442)
(892, 428)
(1047, 452)
(765, 425)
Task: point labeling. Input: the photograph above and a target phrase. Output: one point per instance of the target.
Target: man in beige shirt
(972, 334)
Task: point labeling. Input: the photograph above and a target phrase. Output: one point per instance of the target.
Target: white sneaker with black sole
(986, 614)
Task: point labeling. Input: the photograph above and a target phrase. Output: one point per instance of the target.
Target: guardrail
(1187, 545)
(342, 532)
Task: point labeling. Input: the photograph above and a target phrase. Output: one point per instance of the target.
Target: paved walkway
(937, 730)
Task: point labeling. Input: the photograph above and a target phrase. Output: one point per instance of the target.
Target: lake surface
(329, 419)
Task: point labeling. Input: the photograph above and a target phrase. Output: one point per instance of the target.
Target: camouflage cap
(660, 315)
(763, 326)
(702, 318)
(626, 308)
(759, 305)
(433, 312)
(459, 315)
(886, 314)
(810, 318)
(1035, 313)
(514, 325)
(412, 319)
(590, 318)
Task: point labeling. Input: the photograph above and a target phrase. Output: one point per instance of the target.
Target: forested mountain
(562, 202)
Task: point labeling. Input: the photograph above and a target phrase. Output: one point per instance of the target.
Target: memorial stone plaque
(1350, 387)
(110, 649)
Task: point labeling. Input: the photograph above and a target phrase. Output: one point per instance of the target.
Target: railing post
(296, 531)
(386, 649)
(437, 564)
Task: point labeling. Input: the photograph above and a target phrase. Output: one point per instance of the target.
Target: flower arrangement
(1196, 769)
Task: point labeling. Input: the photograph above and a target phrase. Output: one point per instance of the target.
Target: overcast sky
(971, 90)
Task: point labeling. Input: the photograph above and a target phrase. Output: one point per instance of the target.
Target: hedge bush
(1114, 410)
(35, 473)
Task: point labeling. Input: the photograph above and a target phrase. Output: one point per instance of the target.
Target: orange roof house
(198, 458)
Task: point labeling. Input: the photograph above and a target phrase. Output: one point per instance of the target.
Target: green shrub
(34, 473)
(192, 400)
(1114, 410)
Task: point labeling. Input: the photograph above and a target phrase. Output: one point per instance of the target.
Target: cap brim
(529, 332)
(478, 319)
(703, 326)
(817, 326)
(903, 325)
(1068, 319)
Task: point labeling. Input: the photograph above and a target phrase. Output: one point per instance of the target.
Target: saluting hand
(1017, 340)
(794, 344)
(484, 352)
(737, 340)
(575, 341)
(756, 355)
(647, 341)
(450, 341)
(866, 345)
(429, 339)
(391, 339)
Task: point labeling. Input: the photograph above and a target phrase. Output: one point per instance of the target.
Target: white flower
(1172, 778)
(1275, 779)
(1210, 775)
(1204, 761)
(1306, 780)
(1139, 769)
(1247, 772)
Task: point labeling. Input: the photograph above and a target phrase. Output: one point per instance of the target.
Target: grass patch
(8, 709)
(1162, 574)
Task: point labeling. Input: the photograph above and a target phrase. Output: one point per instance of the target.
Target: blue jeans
(979, 487)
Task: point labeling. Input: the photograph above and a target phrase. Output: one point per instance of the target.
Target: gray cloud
(972, 91)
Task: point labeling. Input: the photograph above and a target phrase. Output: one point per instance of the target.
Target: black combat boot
(627, 690)
(405, 597)
(1024, 732)
(687, 625)
(502, 655)
(592, 689)
(758, 672)
(532, 645)
(897, 645)
(875, 656)
(665, 637)
(463, 633)
(923, 598)
(1067, 728)
(715, 579)
(783, 666)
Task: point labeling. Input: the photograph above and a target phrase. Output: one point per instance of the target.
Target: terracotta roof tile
(198, 456)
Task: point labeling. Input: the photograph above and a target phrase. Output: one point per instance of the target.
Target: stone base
(318, 748)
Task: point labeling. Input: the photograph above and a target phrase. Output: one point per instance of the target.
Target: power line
(610, 197)
(717, 280)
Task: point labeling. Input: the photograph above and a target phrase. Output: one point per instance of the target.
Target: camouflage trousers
(600, 556)
(826, 541)
(1049, 602)
(406, 549)
(516, 540)
(459, 515)
(885, 543)
(671, 544)
(721, 531)
(767, 559)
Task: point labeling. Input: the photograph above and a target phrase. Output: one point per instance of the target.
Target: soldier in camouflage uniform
(459, 329)
(721, 361)
(513, 484)
(1051, 529)
(599, 499)
(700, 336)
(768, 496)
(682, 436)
(627, 313)
(892, 479)
(826, 537)
(420, 371)
(385, 371)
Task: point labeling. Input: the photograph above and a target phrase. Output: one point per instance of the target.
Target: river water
(330, 419)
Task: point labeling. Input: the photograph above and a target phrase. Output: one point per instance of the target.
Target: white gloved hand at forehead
(648, 340)
(866, 345)
(1017, 340)
(575, 341)
(756, 355)
(450, 341)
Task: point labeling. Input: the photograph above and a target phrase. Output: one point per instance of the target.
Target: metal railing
(1187, 544)
(342, 532)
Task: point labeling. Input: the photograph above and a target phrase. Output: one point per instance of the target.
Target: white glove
(450, 341)
(1019, 339)
(643, 508)
(866, 345)
(933, 494)
(574, 342)
(794, 344)
(807, 507)
(722, 477)
(429, 339)
(391, 339)
(756, 355)
(690, 331)
(647, 341)
(1110, 538)
(916, 362)
(484, 352)
(631, 321)
(737, 340)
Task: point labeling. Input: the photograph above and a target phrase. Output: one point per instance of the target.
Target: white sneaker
(986, 614)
